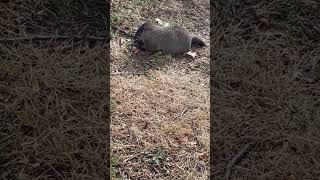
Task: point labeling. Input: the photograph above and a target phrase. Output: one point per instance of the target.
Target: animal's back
(179, 40)
(174, 39)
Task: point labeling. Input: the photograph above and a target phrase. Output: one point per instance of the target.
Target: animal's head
(138, 44)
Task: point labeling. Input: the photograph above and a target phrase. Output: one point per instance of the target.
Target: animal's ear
(139, 32)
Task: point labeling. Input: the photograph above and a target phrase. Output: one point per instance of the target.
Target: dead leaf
(291, 177)
(203, 156)
(135, 50)
(121, 41)
(183, 139)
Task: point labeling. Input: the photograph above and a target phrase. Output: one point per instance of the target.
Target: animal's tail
(197, 41)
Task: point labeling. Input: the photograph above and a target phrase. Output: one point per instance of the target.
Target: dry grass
(160, 103)
(167, 110)
(265, 89)
(53, 96)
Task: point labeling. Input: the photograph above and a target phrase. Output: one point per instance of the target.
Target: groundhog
(173, 39)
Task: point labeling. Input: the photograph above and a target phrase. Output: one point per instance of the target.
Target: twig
(127, 73)
(45, 37)
(236, 159)
(122, 31)
(8, 137)
(55, 170)
(184, 111)
(310, 140)
(151, 65)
